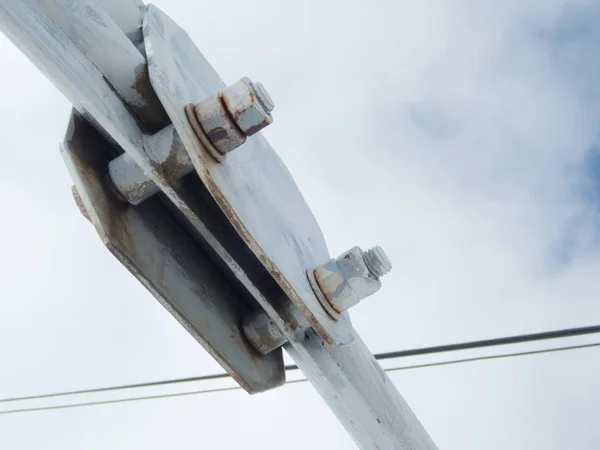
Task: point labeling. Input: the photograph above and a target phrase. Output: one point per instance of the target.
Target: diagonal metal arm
(348, 377)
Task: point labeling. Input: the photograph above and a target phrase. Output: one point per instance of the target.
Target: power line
(218, 376)
(570, 332)
(302, 380)
(489, 357)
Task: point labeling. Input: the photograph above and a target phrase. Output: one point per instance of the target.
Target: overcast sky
(461, 136)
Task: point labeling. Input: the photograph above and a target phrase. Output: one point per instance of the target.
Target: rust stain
(266, 261)
(79, 203)
(232, 114)
(175, 161)
(151, 115)
(255, 129)
(200, 135)
(201, 163)
(218, 134)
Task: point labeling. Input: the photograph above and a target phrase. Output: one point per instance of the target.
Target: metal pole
(360, 394)
(348, 377)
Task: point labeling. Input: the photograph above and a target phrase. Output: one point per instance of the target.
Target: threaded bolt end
(263, 97)
(377, 262)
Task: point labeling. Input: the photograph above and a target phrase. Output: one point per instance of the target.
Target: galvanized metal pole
(115, 98)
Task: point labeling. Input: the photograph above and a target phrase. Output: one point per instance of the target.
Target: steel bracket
(151, 243)
(276, 224)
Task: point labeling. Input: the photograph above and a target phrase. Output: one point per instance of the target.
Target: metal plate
(29, 25)
(252, 186)
(161, 255)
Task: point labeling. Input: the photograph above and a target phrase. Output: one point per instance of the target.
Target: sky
(462, 137)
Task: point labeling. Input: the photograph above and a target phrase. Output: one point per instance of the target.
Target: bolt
(342, 283)
(377, 262)
(227, 118)
(222, 122)
(263, 97)
(264, 335)
(166, 153)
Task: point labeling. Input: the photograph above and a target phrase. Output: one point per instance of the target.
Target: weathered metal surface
(333, 313)
(160, 254)
(166, 153)
(78, 78)
(377, 261)
(348, 377)
(218, 125)
(262, 332)
(130, 181)
(360, 394)
(87, 24)
(252, 186)
(60, 38)
(190, 112)
(249, 104)
(264, 97)
(128, 15)
(342, 283)
(96, 34)
(79, 202)
(226, 118)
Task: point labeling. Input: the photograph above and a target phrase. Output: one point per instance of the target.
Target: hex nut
(264, 335)
(223, 121)
(218, 125)
(343, 282)
(249, 105)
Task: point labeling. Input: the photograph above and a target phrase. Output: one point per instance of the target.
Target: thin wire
(301, 380)
(119, 388)
(570, 332)
(489, 357)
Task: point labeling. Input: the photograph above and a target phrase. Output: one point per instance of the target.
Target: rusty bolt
(217, 123)
(264, 335)
(229, 117)
(263, 97)
(343, 282)
(249, 104)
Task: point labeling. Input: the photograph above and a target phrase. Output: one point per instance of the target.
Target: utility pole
(171, 169)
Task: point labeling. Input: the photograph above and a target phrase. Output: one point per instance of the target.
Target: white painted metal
(226, 118)
(252, 185)
(342, 283)
(347, 377)
(216, 123)
(165, 151)
(360, 394)
(86, 24)
(263, 333)
(249, 104)
(150, 243)
(78, 78)
(128, 15)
